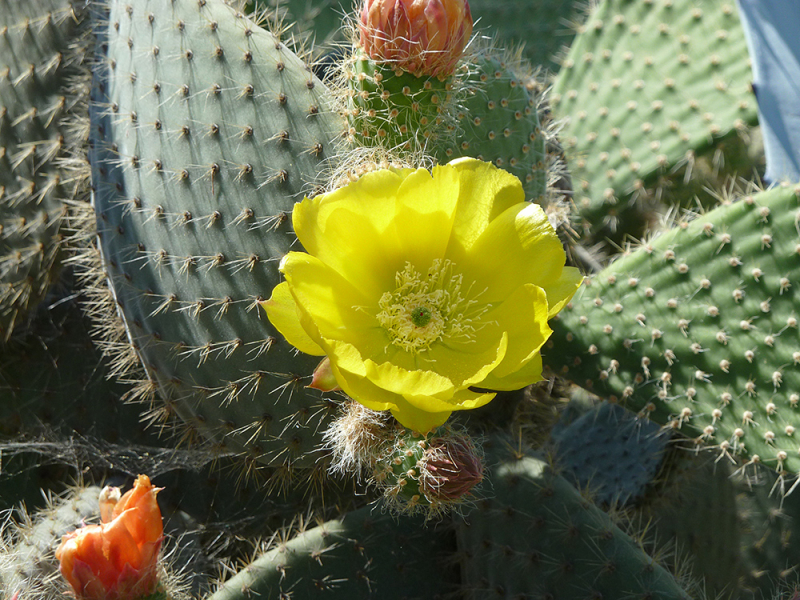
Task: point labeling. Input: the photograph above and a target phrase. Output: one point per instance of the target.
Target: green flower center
(424, 309)
(421, 316)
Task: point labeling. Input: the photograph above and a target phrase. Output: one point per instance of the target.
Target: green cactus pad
(646, 86)
(769, 524)
(610, 452)
(698, 329)
(498, 120)
(541, 28)
(537, 537)
(40, 58)
(53, 381)
(207, 129)
(692, 509)
(364, 555)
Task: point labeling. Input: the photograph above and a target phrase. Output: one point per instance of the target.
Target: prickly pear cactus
(498, 120)
(362, 555)
(543, 29)
(54, 383)
(27, 547)
(697, 329)
(645, 87)
(207, 129)
(41, 55)
(610, 453)
(488, 109)
(535, 535)
(691, 510)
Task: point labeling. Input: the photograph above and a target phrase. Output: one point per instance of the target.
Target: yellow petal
(484, 193)
(282, 313)
(352, 229)
(425, 207)
(530, 372)
(523, 316)
(338, 310)
(464, 399)
(401, 381)
(562, 291)
(469, 362)
(365, 392)
(418, 420)
(345, 357)
(520, 246)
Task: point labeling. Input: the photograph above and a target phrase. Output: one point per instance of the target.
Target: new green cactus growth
(480, 104)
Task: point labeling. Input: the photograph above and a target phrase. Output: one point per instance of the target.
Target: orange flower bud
(424, 37)
(118, 559)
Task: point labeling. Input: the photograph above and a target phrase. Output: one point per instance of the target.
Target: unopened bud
(424, 37)
(450, 468)
(323, 378)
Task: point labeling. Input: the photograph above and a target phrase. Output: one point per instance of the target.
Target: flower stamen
(425, 309)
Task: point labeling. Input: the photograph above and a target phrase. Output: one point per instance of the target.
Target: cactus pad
(646, 85)
(40, 57)
(698, 329)
(538, 537)
(208, 129)
(610, 452)
(363, 555)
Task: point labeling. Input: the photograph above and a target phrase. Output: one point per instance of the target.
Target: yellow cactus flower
(420, 286)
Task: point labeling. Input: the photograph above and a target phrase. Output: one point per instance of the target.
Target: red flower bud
(450, 468)
(118, 559)
(424, 37)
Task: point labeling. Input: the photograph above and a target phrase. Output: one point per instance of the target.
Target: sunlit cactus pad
(645, 82)
(699, 329)
(208, 129)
